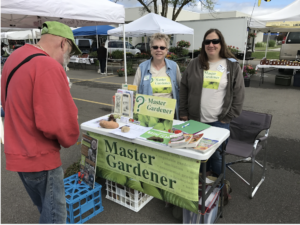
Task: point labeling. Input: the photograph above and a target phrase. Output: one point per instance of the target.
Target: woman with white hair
(159, 76)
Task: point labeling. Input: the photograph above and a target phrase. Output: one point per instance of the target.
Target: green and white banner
(164, 175)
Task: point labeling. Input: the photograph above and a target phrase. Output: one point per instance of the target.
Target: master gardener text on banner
(164, 175)
(154, 111)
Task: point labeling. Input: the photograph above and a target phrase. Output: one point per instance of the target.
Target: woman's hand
(184, 118)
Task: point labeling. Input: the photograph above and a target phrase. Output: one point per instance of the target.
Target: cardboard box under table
(155, 169)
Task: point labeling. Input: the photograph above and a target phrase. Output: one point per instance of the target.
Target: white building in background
(132, 14)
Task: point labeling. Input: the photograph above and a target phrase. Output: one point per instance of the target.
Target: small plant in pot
(120, 72)
(248, 71)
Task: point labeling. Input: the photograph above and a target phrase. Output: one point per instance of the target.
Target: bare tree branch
(145, 5)
(177, 5)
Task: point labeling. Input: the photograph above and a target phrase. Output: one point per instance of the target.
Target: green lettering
(156, 177)
(108, 161)
(123, 152)
(162, 180)
(171, 183)
(130, 154)
(143, 156)
(121, 166)
(135, 153)
(127, 169)
(145, 173)
(111, 148)
(149, 159)
(137, 170)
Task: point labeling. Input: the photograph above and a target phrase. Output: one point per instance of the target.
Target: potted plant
(183, 44)
(251, 35)
(248, 71)
(234, 50)
(171, 56)
(120, 72)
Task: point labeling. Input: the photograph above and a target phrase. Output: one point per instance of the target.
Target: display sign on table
(166, 176)
(154, 111)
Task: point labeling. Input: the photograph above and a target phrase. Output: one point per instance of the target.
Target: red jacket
(40, 114)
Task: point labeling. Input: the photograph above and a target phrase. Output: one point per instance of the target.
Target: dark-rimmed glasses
(214, 41)
(161, 47)
(72, 47)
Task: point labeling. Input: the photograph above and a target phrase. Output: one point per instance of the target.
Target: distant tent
(92, 30)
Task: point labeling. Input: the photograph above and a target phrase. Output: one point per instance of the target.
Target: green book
(157, 133)
(191, 127)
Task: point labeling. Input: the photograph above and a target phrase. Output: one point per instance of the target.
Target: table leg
(263, 77)
(223, 176)
(203, 191)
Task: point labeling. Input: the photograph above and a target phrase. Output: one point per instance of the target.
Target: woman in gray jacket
(212, 88)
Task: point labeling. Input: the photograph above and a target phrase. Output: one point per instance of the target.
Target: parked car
(290, 46)
(85, 45)
(141, 47)
(118, 45)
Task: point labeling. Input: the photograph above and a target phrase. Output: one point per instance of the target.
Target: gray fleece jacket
(191, 91)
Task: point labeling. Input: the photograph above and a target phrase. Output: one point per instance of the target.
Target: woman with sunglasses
(212, 89)
(159, 76)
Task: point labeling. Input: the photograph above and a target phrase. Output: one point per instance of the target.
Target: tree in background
(151, 6)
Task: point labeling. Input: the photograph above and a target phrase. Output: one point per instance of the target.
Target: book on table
(205, 145)
(195, 140)
(180, 141)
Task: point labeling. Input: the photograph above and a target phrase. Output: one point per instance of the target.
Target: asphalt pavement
(276, 201)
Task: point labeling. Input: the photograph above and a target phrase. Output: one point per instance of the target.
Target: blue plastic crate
(83, 202)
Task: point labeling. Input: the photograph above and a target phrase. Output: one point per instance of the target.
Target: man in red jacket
(40, 116)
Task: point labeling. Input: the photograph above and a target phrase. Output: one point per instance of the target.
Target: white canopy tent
(288, 13)
(76, 13)
(23, 35)
(150, 24)
(284, 20)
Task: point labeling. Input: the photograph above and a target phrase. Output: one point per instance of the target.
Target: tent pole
(106, 55)
(99, 69)
(193, 47)
(32, 37)
(124, 47)
(36, 41)
(245, 49)
(267, 44)
(145, 43)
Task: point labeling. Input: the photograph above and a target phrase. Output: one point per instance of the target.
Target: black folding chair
(244, 142)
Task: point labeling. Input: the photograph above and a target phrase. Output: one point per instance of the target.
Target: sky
(245, 6)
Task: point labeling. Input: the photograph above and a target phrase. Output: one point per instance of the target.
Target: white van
(290, 46)
(118, 45)
(85, 45)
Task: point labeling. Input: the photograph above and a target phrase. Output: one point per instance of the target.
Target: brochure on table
(88, 162)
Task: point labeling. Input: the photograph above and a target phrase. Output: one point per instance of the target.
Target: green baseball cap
(62, 30)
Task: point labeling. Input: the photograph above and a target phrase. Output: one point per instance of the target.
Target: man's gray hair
(159, 36)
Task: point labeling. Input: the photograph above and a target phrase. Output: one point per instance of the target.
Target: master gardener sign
(154, 111)
(164, 175)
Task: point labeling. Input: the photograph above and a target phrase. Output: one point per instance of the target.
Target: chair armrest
(262, 138)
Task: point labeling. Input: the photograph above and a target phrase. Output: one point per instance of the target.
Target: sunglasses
(72, 49)
(161, 47)
(214, 41)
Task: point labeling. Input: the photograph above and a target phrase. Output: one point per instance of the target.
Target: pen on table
(185, 125)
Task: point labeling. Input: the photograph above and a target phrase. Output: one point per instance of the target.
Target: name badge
(147, 77)
(221, 68)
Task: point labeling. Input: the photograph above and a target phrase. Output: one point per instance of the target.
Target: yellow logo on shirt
(212, 79)
(161, 85)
